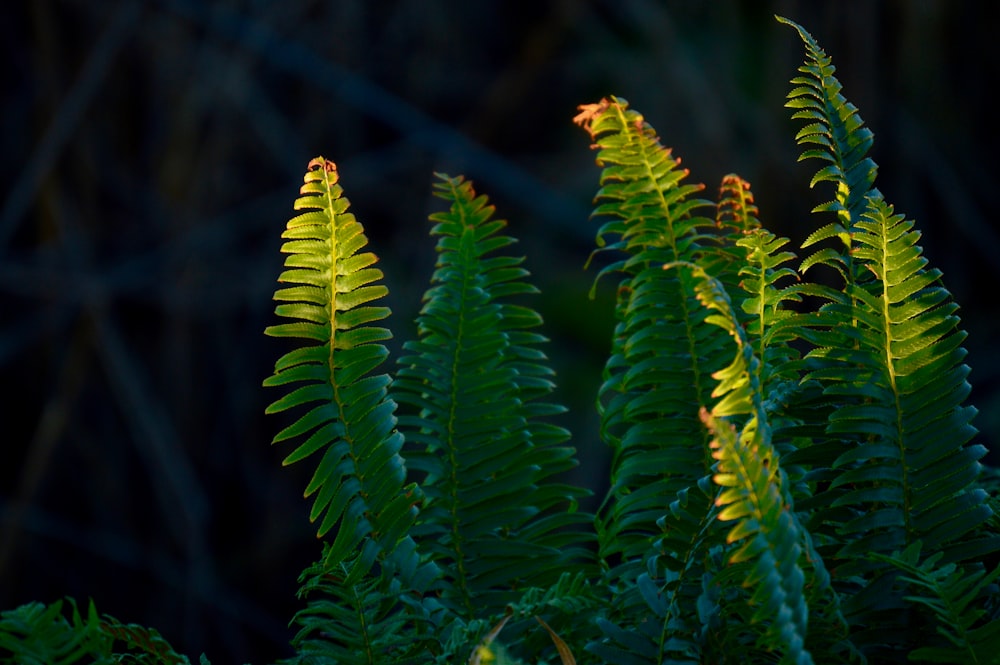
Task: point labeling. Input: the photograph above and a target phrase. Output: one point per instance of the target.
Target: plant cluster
(793, 474)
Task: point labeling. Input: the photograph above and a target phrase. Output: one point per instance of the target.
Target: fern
(887, 351)
(755, 492)
(475, 386)
(753, 441)
(661, 355)
(358, 482)
(835, 126)
(378, 619)
(956, 597)
(36, 634)
(39, 634)
(889, 345)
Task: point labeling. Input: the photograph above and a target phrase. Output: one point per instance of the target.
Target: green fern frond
(894, 464)
(378, 619)
(36, 634)
(662, 355)
(358, 482)
(767, 529)
(887, 347)
(834, 133)
(475, 386)
(905, 472)
(910, 320)
(956, 596)
(642, 188)
(766, 304)
(785, 569)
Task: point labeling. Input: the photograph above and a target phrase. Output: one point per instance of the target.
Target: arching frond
(834, 133)
(755, 493)
(350, 421)
(475, 387)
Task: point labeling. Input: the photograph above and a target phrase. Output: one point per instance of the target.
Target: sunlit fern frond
(908, 321)
(662, 355)
(475, 387)
(786, 572)
(897, 385)
(350, 422)
(888, 352)
(834, 133)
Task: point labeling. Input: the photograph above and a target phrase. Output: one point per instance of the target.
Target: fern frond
(735, 217)
(905, 472)
(375, 619)
(765, 304)
(642, 187)
(786, 571)
(644, 642)
(894, 465)
(36, 634)
(736, 209)
(145, 645)
(914, 330)
(767, 529)
(956, 597)
(834, 133)
(476, 386)
(358, 482)
(662, 356)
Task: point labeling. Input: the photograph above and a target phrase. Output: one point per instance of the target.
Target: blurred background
(151, 153)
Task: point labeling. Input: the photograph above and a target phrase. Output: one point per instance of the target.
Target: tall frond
(894, 464)
(904, 470)
(350, 421)
(908, 321)
(658, 374)
(834, 133)
(476, 387)
(755, 493)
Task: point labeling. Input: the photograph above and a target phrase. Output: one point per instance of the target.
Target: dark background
(151, 153)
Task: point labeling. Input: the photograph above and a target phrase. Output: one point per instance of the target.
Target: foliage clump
(787, 484)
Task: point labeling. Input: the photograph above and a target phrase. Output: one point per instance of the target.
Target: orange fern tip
(322, 163)
(590, 112)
